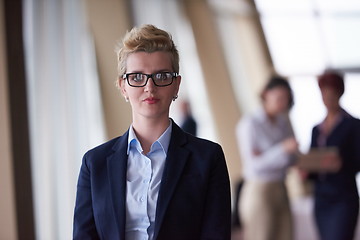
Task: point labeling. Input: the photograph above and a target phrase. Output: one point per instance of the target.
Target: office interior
(59, 99)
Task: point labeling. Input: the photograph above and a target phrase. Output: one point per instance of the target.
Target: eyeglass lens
(140, 79)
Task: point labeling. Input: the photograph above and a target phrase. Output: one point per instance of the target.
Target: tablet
(320, 160)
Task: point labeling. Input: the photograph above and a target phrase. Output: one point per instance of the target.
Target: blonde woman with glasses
(155, 181)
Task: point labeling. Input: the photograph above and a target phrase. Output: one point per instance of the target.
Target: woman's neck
(149, 130)
(333, 113)
(270, 115)
(331, 119)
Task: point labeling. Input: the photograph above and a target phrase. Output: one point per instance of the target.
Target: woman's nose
(150, 85)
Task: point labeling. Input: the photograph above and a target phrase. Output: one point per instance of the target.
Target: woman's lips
(151, 100)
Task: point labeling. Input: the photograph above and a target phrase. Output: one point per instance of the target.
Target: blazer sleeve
(313, 144)
(84, 223)
(356, 145)
(217, 219)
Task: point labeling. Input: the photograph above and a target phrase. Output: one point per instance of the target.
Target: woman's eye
(161, 76)
(137, 77)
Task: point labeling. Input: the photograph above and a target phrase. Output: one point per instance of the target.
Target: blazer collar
(174, 165)
(117, 166)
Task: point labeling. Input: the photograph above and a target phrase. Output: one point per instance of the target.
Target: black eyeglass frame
(173, 74)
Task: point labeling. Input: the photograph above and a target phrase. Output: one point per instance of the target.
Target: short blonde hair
(146, 38)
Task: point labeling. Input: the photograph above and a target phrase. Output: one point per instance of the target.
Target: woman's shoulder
(203, 149)
(349, 121)
(352, 119)
(201, 143)
(251, 120)
(106, 147)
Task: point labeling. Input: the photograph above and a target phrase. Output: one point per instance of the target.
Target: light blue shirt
(144, 173)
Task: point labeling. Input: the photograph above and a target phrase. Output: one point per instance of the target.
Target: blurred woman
(267, 145)
(336, 196)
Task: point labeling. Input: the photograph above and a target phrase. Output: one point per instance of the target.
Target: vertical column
(225, 111)
(256, 55)
(7, 188)
(109, 20)
(19, 130)
(252, 66)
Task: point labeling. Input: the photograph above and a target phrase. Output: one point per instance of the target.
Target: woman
(267, 145)
(155, 181)
(336, 196)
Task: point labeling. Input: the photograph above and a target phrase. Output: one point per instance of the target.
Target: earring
(126, 99)
(175, 97)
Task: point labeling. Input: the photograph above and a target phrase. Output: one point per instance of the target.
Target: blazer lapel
(117, 166)
(175, 162)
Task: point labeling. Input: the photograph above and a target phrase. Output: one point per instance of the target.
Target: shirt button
(142, 199)
(145, 181)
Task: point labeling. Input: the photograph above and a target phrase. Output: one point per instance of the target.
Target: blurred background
(58, 96)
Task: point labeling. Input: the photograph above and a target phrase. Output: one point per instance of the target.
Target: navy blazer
(346, 137)
(336, 196)
(194, 196)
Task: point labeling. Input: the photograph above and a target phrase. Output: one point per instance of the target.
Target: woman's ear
(178, 81)
(263, 95)
(121, 85)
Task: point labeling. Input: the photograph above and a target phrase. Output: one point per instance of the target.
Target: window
(305, 37)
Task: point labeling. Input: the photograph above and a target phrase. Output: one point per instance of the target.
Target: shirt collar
(341, 115)
(133, 141)
(262, 116)
(163, 140)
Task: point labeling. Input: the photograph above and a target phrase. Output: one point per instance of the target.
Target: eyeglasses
(160, 79)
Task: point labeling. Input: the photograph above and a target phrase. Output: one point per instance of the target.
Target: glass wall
(305, 37)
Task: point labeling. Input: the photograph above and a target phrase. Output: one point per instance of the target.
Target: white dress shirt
(260, 143)
(144, 173)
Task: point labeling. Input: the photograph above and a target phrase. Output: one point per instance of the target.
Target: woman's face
(276, 100)
(150, 101)
(330, 98)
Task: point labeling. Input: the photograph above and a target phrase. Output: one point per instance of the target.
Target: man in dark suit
(155, 182)
(189, 124)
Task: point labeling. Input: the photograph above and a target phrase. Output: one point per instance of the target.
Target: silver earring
(126, 99)
(175, 97)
